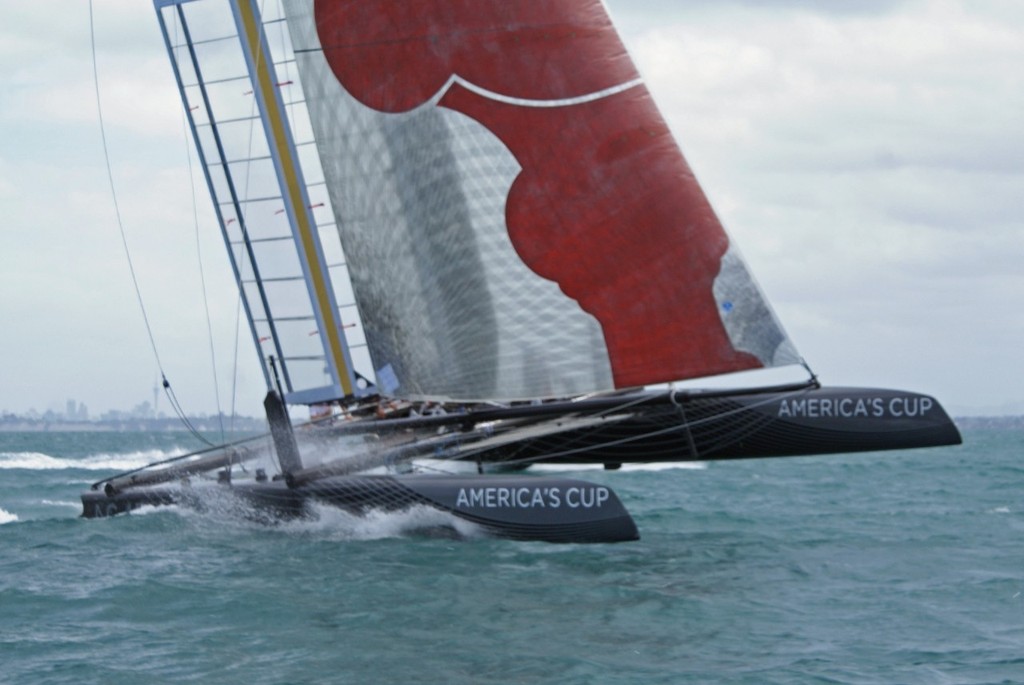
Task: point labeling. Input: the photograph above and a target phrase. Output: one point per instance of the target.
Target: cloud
(865, 155)
(48, 67)
(6, 186)
(868, 164)
(74, 326)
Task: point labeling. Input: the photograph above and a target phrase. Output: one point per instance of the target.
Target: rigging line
(113, 191)
(120, 225)
(810, 372)
(199, 260)
(234, 365)
(173, 399)
(285, 40)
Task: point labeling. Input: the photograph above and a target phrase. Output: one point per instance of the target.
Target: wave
(7, 517)
(649, 466)
(36, 461)
(61, 503)
(446, 467)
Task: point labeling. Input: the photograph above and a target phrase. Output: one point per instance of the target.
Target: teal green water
(898, 568)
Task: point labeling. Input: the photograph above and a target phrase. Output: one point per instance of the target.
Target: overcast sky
(867, 156)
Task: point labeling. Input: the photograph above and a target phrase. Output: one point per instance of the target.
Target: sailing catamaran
(465, 228)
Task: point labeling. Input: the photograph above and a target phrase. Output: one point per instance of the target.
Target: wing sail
(521, 220)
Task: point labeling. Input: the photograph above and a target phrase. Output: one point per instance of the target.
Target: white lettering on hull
(592, 497)
(856, 407)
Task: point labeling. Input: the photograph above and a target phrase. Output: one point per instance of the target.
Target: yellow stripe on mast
(294, 195)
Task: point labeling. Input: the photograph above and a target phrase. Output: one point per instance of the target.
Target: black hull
(512, 507)
(681, 427)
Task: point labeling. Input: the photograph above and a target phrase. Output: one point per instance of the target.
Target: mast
(233, 98)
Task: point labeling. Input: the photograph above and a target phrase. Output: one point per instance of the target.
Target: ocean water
(904, 567)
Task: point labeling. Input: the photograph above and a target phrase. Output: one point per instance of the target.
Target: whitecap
(454, 466)
(60, 503)
(7, 517)
(36, 461)
(668, 466)
(650, 466)
(32, 461)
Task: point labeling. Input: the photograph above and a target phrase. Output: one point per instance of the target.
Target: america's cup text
(529, 498)
(856, 407)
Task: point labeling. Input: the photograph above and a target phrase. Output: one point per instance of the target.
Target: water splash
(330, 521)
(220, 508)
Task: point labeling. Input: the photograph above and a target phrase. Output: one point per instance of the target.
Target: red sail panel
(613, 214)
(605, 204)
(394, 55)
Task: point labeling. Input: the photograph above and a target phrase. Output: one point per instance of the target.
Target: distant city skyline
(78, 411)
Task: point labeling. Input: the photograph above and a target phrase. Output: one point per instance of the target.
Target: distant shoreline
(240, 424)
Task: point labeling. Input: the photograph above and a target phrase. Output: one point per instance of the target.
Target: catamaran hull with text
(703, 426)
(516, 507)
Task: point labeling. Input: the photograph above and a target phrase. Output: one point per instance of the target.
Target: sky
(867, 157)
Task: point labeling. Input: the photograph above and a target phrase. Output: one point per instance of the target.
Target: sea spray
(221, 510)
(335, 523)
